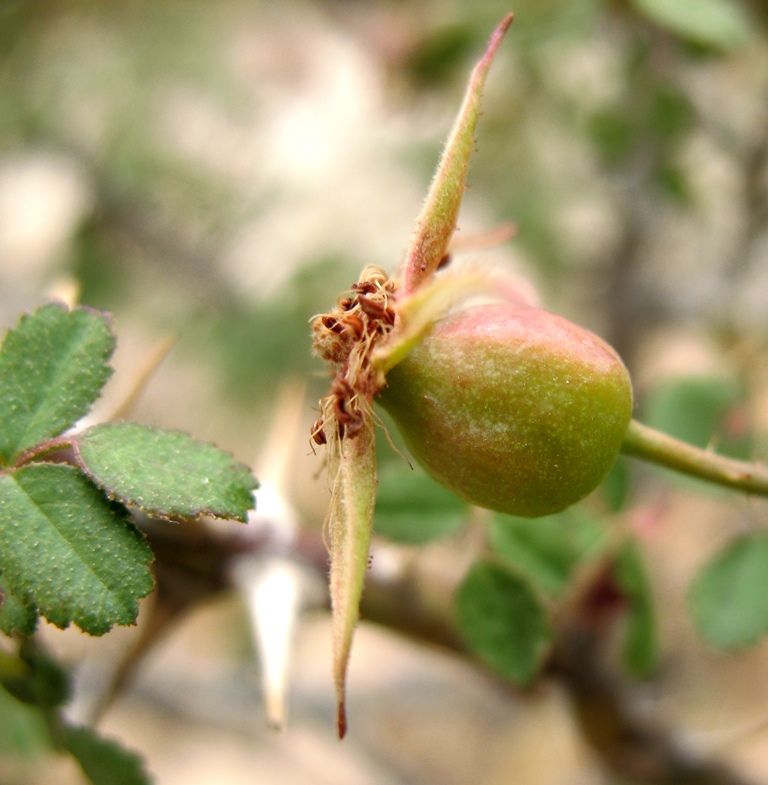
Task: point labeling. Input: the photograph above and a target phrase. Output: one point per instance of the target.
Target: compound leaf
(70, 552)
(166, 473)
(503, 621)
(728, 597)
(52, 368)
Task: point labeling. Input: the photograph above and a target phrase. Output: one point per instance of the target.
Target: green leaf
(15, 616)
(412, 508)
(503, 621)
(165, 473)
(40, 681)
(722, 24)
(640, 651)
(52, 368)
(548, 549)
(23, 731)
(66, 549)
(617, 485)
(104, 761)
(728, 597)
(39, 685)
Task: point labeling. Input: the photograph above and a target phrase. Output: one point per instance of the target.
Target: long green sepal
(437, 220)
(350, 519)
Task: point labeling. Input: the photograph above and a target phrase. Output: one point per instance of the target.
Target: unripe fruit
(513, 408)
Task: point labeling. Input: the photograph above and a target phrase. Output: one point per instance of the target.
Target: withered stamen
(318, 434)
(372, 308)
(346, 337)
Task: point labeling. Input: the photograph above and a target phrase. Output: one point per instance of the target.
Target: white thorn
(276, 591)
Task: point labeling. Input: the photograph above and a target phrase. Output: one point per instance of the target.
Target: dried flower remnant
(346, 338)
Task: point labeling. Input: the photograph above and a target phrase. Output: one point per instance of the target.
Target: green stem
(651, 445)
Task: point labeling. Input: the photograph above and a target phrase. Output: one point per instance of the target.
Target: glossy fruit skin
(513, 408)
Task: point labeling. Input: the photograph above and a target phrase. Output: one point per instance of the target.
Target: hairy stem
(651, 445)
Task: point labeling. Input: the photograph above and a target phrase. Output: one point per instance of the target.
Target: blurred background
(216, 173)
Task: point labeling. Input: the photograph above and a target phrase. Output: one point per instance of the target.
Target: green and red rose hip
(511, 407)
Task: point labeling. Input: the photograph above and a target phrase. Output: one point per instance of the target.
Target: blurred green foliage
(22, 730)
(728, 598)
(548, 550)
(641, 645)
(723, 24)
(702, 410)
(412, 508)
(503, 621)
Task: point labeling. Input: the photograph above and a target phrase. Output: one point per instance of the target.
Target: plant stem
(651, 445)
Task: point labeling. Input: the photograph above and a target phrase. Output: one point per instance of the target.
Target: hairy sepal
(437, 220)
(350, 519)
